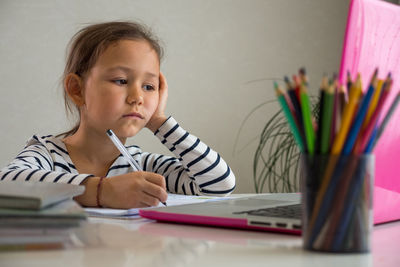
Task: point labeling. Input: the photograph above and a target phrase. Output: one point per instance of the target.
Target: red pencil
(366, 134)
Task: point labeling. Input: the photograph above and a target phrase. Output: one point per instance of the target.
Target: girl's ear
(73, 85)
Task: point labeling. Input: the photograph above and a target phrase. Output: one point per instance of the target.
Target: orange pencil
(348, 114)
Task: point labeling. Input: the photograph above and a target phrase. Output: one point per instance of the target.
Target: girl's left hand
(159, 117)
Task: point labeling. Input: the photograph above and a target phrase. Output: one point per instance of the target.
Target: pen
(125, 152)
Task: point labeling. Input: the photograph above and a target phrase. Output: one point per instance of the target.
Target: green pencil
(289, 117)
(308, 126)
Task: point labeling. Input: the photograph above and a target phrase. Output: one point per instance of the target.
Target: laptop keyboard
(289, 211)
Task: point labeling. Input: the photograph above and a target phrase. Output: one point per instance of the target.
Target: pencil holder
(337, 202)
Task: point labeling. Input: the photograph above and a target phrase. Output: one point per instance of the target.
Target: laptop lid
(372, 40)
(234, 213)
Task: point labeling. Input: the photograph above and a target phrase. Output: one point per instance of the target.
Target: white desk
(141, 242)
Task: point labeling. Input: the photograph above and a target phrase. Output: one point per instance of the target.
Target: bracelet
(99, 191)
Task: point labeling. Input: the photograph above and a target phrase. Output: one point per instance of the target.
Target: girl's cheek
(154, 107)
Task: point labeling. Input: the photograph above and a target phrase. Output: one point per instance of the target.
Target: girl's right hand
(133, 190)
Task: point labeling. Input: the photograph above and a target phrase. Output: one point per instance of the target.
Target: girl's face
(121, 90)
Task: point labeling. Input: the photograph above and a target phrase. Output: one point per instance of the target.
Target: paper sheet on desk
(173, 200)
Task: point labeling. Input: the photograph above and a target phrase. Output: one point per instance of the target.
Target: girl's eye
(148, 87)
(120, 81)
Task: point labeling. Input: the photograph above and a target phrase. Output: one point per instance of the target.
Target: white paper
(173, 200)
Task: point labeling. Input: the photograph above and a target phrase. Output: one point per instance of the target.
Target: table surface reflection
(142, 242)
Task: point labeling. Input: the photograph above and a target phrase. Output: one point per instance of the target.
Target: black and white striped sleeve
(34, 163)
(196, 169)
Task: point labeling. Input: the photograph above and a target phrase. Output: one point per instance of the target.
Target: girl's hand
(133, 190)
(159, 117)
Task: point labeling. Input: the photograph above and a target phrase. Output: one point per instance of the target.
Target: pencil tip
(286, 79)
(375, 73)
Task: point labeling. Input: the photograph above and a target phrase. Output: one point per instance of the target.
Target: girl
(112, 78)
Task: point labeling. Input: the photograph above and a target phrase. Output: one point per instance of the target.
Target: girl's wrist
(99, 199)
(88, 198)
(156, 123)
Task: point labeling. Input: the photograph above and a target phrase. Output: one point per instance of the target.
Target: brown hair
(90, 42)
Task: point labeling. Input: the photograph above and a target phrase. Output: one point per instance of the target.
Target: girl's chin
(130, 132)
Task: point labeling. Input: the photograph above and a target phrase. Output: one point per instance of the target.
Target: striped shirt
(195, 170)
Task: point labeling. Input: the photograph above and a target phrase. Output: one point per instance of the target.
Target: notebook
(64, 214)
(371, 41)
(35, 195)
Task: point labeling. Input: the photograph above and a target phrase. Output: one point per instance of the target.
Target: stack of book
(38, 215)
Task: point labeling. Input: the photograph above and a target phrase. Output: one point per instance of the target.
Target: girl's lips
(134, 114)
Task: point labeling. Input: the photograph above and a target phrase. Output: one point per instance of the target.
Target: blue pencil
(371, 142)
(358, 121)
(385, 121)
(352, 200)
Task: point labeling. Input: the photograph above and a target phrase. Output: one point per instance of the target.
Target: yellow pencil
(348, 113)
(373, 104)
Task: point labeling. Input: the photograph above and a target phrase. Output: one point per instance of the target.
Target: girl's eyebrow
(127, 69)
(151, 75)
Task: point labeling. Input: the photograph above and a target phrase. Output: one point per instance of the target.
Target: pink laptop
(372, 40)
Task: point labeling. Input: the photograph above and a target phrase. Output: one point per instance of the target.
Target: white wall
(214, 48)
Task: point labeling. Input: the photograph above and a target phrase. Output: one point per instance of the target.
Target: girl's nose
(135, 96)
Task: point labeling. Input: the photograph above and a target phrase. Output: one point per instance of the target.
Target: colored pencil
(353, 193)
(374, 103)
(297, 87)
(385, 121)
(334, 111)
(290, 103)
(342, 104)
(339, 183)
(289, 117)
(322, 89)
(327, 119)
(349, 110)
(297, 108)
(339, 199)
(303, 76)
(308, 125)
(371, 141)
(359, 118)
(348, 81)
(362, 142)
(326, 193)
